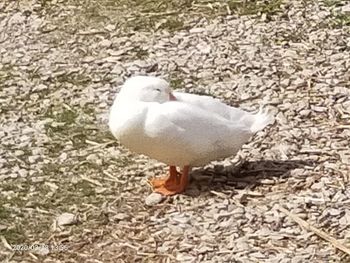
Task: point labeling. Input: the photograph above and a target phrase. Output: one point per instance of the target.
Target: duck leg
(171, 186)
(172, 178)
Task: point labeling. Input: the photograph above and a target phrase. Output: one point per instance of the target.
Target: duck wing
(255, 122)
(185, 131)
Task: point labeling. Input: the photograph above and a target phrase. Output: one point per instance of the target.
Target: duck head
(146, 89)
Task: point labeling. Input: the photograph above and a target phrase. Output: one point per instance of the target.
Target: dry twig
(317, 231)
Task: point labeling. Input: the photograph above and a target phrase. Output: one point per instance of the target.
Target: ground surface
(62, 63)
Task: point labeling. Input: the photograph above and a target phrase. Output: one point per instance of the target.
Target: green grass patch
(338, 18)
(69, 125)
(172, 24)
(253, 7)
(176, 82)
(6, 72)
(15, 235)
(341, 20)
(148, 15)
(331, 3)
(4, 212)
(51, 169)
(74, 78)
(66, 116)
(140, 53)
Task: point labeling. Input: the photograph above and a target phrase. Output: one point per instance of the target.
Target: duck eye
(158, 90)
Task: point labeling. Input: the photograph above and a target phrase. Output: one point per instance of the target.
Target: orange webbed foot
(171, 179)
(174, 184)
(168, 190)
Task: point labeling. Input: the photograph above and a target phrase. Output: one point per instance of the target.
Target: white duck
(178, 129)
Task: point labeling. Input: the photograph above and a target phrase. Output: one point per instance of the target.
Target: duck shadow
(244, 175)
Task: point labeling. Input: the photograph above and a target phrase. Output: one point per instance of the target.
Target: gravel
(62, 62)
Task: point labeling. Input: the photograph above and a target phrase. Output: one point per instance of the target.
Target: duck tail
(261, 120)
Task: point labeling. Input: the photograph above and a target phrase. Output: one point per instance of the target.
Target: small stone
(204, 48)
(319, 108)
(63, 157)
(105, 43)
(66, 219)
(13, 175)
(176, 230)
(120, 216)
(296, 172)
(153, 199)
(346, 9)
(257, 255)
(345, 220)
(33, 159)
(19, 153)
(163, 249)
(299, 83)
(181, 219)
(197, 30)
(184, 258)
(334, 212)
(23, 173)
(89, 59)
(100, 190)
(110, 27)
(285, 83)
(91, 157)
(305, 113)
(40, 87)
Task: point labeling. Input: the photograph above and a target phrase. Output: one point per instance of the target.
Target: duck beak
(172, 97)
